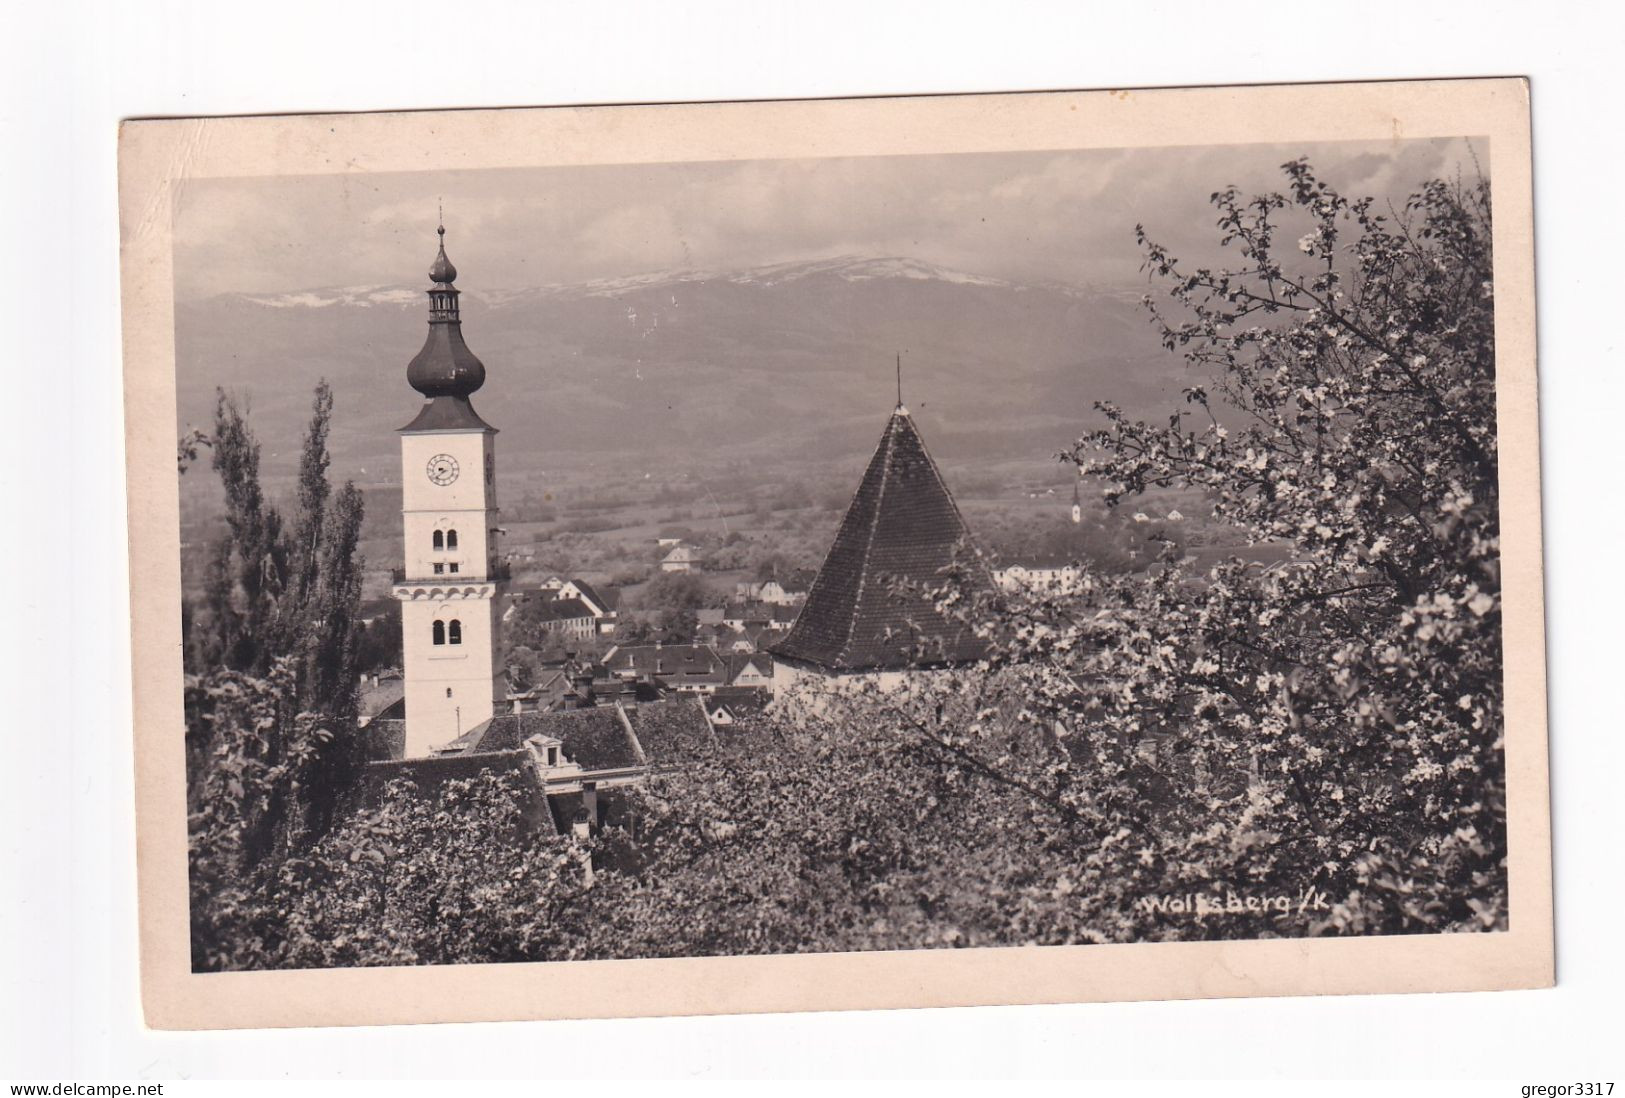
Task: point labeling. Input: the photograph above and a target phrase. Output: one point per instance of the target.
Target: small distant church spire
(1077, 501)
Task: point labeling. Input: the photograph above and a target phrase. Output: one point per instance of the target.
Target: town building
(1051, 573)
(685, 668)
(682, 558)
(772, 592)
(571, 607)
(749, 670)
(567, 617)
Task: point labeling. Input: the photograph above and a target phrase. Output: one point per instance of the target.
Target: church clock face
(442, 469)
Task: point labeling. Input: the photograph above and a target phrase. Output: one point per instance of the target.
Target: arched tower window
(439, 541)
(451, 539)
(456, 631)
(440, 632)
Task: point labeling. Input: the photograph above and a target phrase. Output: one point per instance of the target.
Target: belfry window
(439, 541)
(440, 632)
(451, 539)
(456, 631)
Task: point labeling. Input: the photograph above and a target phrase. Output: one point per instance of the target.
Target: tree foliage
(272, 654)
(443, 875)
(1351, 414)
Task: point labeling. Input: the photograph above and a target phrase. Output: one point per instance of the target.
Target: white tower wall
(453, 672)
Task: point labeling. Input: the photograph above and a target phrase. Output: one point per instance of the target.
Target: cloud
(1066, 215)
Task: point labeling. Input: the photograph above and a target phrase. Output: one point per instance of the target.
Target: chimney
(589, 802)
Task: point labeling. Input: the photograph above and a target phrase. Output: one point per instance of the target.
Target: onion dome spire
(442, 271)
(445, 366)
(445, 370)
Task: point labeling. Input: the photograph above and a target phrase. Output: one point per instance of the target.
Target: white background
(72, 70)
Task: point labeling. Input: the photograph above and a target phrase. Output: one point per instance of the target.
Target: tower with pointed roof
(451, 581)
(869, 615)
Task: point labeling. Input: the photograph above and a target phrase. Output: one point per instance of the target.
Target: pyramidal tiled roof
(902, 525)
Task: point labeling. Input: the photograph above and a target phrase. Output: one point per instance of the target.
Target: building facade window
(453, 566)
(439, 568)
(440, 632)
(451, 539)
(448, 691)
(439, 541)
(456, 631)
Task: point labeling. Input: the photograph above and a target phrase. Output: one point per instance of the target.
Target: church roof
(447, 413)
(902, 527)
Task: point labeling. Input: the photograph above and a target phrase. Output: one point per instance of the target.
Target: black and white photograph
(841, 554)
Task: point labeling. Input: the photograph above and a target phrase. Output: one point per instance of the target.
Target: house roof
(750, 697)
(669, 661)
(378, 701)
(605, 600)
(548, 682)
(395, 710)
(1046, 559)
(596, 739)
(630, 692)
(562, 610)
(902, 526)
(680, 554)
(671, 731)
(737, 663)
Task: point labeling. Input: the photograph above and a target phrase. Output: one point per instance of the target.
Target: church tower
(869, 617)
(451, 581)
(1077, 501)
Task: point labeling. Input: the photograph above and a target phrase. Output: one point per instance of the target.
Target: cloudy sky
(1053, 215)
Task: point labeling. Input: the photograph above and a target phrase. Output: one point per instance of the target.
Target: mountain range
(788, 361)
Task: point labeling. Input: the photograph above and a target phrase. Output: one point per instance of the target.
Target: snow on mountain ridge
(848, 268)
(338, 295)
